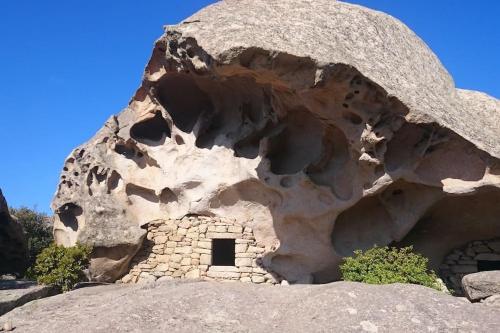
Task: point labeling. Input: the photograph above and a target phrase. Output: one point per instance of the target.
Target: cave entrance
(223, 252)
(488, 265)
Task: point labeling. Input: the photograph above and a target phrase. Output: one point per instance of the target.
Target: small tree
(38, 229)
(383, 265)
(60, 266)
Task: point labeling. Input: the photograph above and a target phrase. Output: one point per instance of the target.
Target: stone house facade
(475, 257)
(199, 247)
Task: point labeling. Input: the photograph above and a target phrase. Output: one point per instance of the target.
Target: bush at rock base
(61, 266)
(383, 265)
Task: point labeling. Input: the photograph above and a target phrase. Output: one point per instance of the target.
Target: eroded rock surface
(323, 126)
(13, 248)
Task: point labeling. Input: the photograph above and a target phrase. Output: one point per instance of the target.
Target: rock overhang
(240, 123)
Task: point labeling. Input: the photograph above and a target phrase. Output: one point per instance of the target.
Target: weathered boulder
(481, 285)
(13, 247)
(324, 126)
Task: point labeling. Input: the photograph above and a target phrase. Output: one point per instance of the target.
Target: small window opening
(223, 253)
(488, 265)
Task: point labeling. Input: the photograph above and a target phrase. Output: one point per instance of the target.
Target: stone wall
(183, 249)
(461, 262)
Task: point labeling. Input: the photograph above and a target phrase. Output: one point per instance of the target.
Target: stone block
(223, 275)
(127, 278)
(181, 231)
(205, 245)
(243, 241)
(223, 269)
(193, 274)
(488, 256)
(205, 259)
(225, 235)
(481, 248)
(246, 279)
(245, 269)
(177, 274)
(495, 246)
(221, 228)
(245, 255)
(470, 252)
(161, 239)
(202, 251)
(258, 279)
(202, 228)
(186, 262)
(192, 235)
(255, 249)
(243, 262)
(176, 238)
(162, 267)
(464, 269)
(185, 224)
(174, 266)
(175, 258)
(240, 248)
(235, 228)
(183, 250)
(163, 258)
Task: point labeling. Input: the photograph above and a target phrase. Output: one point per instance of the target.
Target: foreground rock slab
(235, 307)
(16, 293)
(481, 285)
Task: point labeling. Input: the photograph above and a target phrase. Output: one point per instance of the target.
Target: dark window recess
(488, 265)
(223, 252)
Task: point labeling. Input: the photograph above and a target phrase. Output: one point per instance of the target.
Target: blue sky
(66, 66)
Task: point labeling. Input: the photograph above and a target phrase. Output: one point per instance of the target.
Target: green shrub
(61, 266)
(38, 230)
(382, 265)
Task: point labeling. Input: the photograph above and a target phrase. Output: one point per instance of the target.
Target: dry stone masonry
(475, 257)
(186, 248)
(323, 127)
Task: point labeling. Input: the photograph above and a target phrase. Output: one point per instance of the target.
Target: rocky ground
(234, 307)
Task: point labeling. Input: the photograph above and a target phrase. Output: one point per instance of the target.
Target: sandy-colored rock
(13, 246)
(323, 126)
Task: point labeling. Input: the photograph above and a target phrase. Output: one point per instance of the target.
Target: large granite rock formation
(13, 248)
(324, 126)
